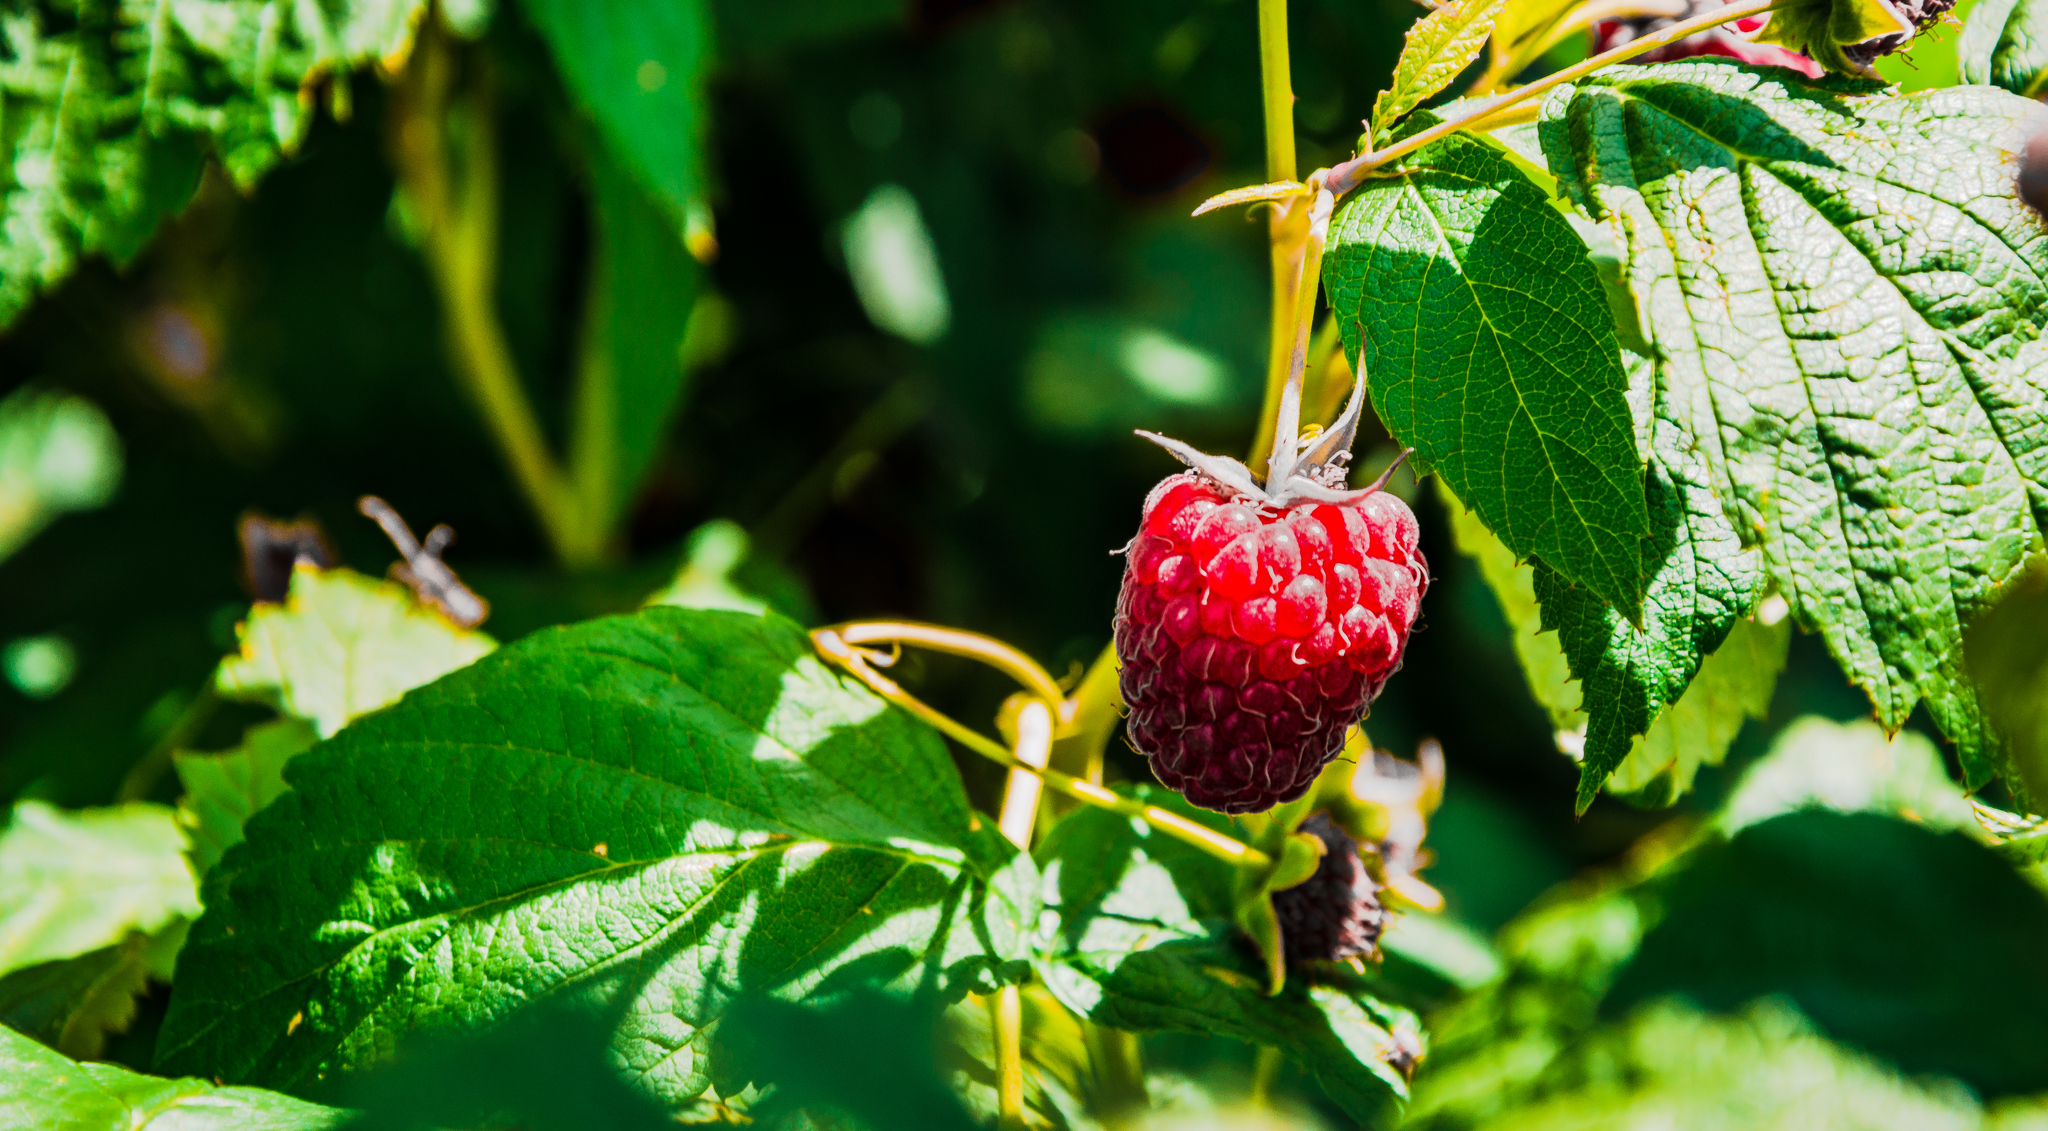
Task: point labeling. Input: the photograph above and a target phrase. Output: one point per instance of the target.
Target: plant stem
(1540, 40)
(1090, 717)
(955, 642)
(1347, 176)
(1287, 222)
(856, 661)
(1265, 1071)
(1006, 1010)
(455, 191)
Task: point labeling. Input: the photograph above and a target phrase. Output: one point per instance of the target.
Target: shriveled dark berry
(1336, 913)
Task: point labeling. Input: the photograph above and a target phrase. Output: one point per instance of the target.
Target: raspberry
(1336, 913)
(1255, 626)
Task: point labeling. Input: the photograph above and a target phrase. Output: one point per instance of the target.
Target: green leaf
(1145, 941)
(1514, 585)
(1839, 284)
(651, 814)
(74, 1004)
(1848, 768)
(72, 882)
(112, 107)
(644, 288)
(1439, 46)
(42, 1088)
(57, 454)
(1480, 319)
(2008, 657)
(1920, 946)
(638, 71)
(223, 790)
(2005, 44)
(1733, 685)
(341, 646)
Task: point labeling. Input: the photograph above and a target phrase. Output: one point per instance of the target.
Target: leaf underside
(1487, 342)
(650, 815)
(2005, 44)
(1839, 285)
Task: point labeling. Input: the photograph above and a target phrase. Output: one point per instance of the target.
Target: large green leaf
(1439, 46)
(44, 1090)
(638, 70)
(1145, 941)
(341, 646)
(72, 882)
(1918, 945)
(222, 790)
(2005, 44)
(113, 104)
(1487, 342)
(1838, 284)
(650, 814)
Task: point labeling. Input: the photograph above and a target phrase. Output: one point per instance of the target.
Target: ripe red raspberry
(1336, 913)
(1255, 626)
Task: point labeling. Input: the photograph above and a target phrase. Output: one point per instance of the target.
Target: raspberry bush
(1648, 389)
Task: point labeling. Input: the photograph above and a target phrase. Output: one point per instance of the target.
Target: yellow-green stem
(1007, 1012)
(856, 662)
(1265, 1072)
(1286, 221)
(1347, 176)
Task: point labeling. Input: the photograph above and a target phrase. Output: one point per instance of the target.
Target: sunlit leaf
(1440, 45)
(650, 815)
(42, 1088)
(112, 108)
(341, 646)
(57, 454)
(72, 882)
(1733, 686)
(1839, 283)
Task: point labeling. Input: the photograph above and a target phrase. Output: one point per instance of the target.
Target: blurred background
(937, 266)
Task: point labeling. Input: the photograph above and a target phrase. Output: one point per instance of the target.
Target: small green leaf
(72, 882)
(42, 1088)
(74, 1004)
(1732, 686)
(1145, 941)
(638, 71)
(1482, 324)
(223, 790)
(1829, 31)
(1439, 46)
(652, 815)
(341, 646)
(1840, 284)
(2005, 44)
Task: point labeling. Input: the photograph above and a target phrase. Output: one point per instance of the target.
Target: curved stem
(1006, 1012)
(957, 642)
(1345, 177)
(856, 662)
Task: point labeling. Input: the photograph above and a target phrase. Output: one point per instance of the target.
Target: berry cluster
(1252, 637)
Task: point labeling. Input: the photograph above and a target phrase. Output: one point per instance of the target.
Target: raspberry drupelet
(1255, 624)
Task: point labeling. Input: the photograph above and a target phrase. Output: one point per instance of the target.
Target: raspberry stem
(859, 662)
